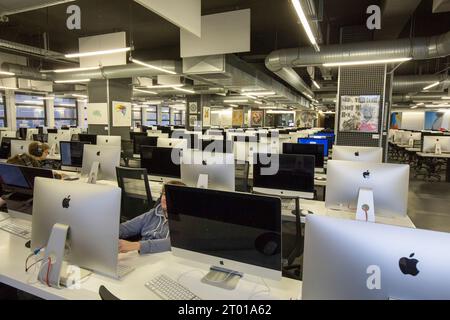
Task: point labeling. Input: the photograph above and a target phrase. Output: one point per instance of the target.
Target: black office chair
(106, 295)
(136, 192)
(127, 151)
(241, 178)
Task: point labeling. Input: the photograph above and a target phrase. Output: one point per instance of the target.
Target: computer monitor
(23, 133)
(54, 139)
(13, 180)
(365, 154)
(219, 168)
(236, 231)
(315, 150)
(287, 175)
(90, 138)
(108, 157)
(158, 135)
(30, 133)
(52, 130)
(112, 141)
(41, 137)
(398, 136)
(143, 141)
(5, 148)
(31, 173)
(219, 146)
(75, 131)
(159, 163)
(7, 134)
(167, 130)
(354, 260)
(389, 183)
(19, 147)
(92, 213)
(173, 143)
(430, 142)
(137, 134)
(323, 141)
(72, 155)
(192, 139)
(410, 137)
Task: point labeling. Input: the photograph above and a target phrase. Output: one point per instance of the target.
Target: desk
(438, 156)
(318, 207)
(13, 254)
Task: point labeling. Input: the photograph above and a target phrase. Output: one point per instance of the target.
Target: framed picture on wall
(207, 116)
(121, 114)
(192, 121)
(97, 113)
(257, 118)
(359, 113)
(193, 108)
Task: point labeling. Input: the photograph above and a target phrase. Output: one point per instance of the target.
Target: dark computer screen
(12, 177)
(241, 227)
(306, 149)
(323, 141)
(52, 130)
(88, 138)
(158, 162)
(5, 148)
(295, 172)
(137, 134)
(23, 133)
(219, 146)
(31, 173)
(72, 153)
(40, 137)
(143, 141)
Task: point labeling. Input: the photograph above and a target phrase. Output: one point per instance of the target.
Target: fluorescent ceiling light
(446, 98)
(437, 106)
(154, 102)
(151, 66)
(9, 88)
(72, 81)
(414, 107)
(7, 73)
(258, 102)
(260, 93)
(79, 95)
(183, 90)
(432, 85)
(316, 84)
(97, 53)
(162, 86)
(234, 105)
(280, 111)
(46, 98)
(70, 70)
(301, 14)
(365, 62)
(144, 91)
(236, 101)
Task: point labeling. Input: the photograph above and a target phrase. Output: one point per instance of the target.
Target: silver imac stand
(202, 182)
(93, 174)
(438, 149)
(54, 271)
(222, 278)
(365, 209)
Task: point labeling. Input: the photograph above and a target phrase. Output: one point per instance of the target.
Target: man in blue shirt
(152, 227)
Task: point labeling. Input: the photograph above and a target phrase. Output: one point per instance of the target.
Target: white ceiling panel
(9, 7)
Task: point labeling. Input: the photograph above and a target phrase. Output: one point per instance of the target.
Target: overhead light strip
(365, 62)
(151, 66)
(97, 53)
(304, 21)
(235, 101)
(5, 73)
(163, 86)
(72, 81)
(183, 90)
(431, 85)
(9, 88)
(145, 91)
(316, 84)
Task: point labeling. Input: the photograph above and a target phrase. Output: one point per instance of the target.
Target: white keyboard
(18, 229)
(168, 289)
(123, 270)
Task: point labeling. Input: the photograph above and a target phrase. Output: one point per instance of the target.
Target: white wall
(413, 120)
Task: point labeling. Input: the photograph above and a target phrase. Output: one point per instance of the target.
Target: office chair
(106, 295)
(136, 192)
(127, 151)
(242, 173)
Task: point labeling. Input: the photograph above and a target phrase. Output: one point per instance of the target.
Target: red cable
(48, 270)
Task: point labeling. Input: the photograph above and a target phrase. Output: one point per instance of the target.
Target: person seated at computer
(37, 153)
(152, 227)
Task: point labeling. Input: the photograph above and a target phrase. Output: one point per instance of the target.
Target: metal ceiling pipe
(410, 84)
(418, 49)
(24, 71)
(421, 97)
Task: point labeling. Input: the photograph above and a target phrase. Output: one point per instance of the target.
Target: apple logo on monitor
(107, 140)
(366, 175)
(98, 153)
(357, 154)
(409, 265)
(66, 202)
(204, 163)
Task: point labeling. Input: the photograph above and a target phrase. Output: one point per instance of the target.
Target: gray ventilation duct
(411, 84)
(24, 71)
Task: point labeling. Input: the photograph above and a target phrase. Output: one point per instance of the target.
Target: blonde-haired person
(152, 227)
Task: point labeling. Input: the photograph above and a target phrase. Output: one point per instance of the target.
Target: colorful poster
(434, 120)
(121, 112)
(359, 113)
(396, 120)
(238, 118)
(206, 116)
(306, 119)
(257, 118)
(97, 113)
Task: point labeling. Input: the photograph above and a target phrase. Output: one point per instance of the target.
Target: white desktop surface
(132, 287)
(413, 149)
(433, 155)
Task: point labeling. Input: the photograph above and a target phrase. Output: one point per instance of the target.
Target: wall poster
(121, 114)
(359, 113)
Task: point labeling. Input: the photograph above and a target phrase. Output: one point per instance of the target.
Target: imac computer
(31, 132)
(173, 143)
(19, 147)
(294, 176)
(51, 130)
(88, 138)
(5, 148)
(365, 154)
(355, 260)
(234, 232)
(409, 137)
(315, 150)
(53, 141)
(143, 141)
(217, 169)
(112, 141)
(72, 155)
(21, 179)
(41, 137)
(92, 214)
(64, 135)
(323, 141)
(137, 134)
(431, 144)
(75, 131)
(388, 182)
(7, 134)
(398, 136)
(219, 146)
(108, 159)
(158, 135)
(159, 163)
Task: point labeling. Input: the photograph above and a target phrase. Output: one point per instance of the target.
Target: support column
(201, 101)
(107, 91)
(10, 104)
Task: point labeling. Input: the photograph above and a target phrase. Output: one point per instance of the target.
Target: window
(151, 117)
(66, 112)
(136, 116)
(3, 123)
(165, 116)
(177, 118)
(30, 111)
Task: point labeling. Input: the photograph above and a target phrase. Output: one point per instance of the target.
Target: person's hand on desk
(127, 246)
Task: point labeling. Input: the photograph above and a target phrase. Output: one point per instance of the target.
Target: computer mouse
(28, 244)
(305, 212)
